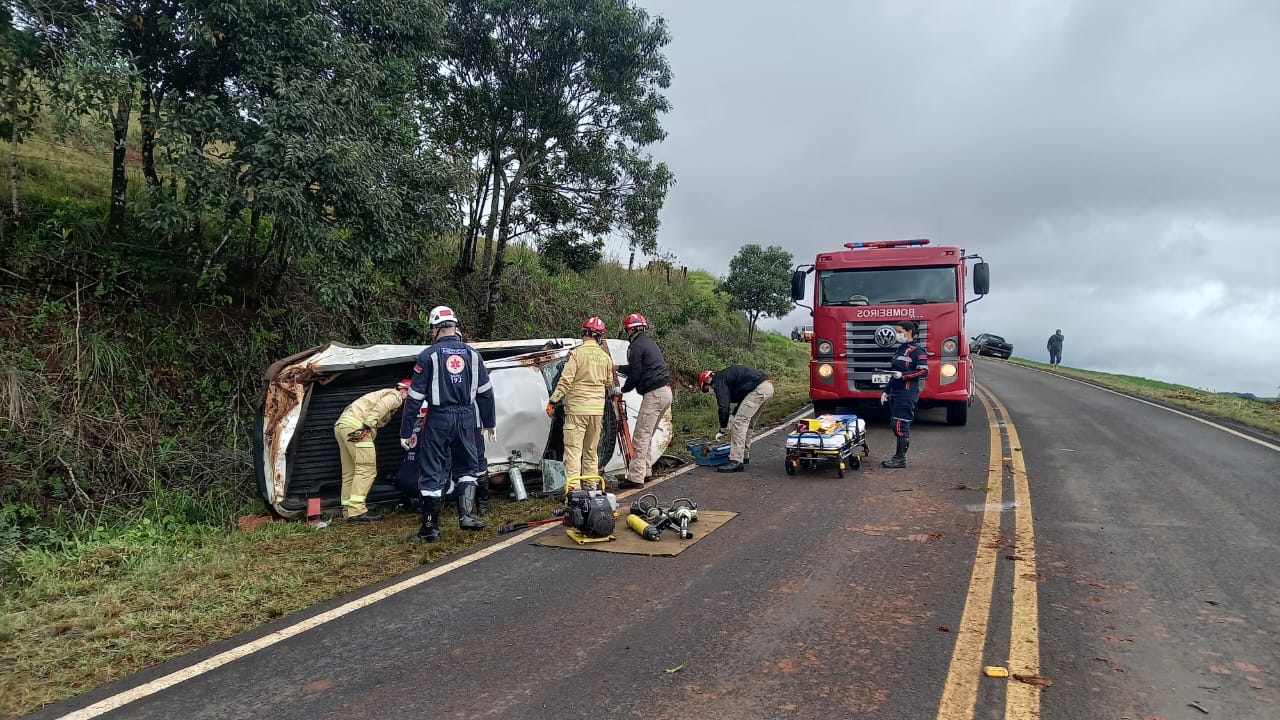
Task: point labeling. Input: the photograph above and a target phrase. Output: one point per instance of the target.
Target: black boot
(466, 503)
(731, 466)
(429, 531)
(482, 496)
(899, 459)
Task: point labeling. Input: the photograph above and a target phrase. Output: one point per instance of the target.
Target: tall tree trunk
(194, 198)
(475, 210)
(15, 75)
(751, 328)
(119, 179)
(255, 220)
(499, 179)
(493, 293)
(150, 106)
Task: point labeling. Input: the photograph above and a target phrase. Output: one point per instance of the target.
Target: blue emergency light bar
(885, 244)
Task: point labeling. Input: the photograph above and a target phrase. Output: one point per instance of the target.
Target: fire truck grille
(865, 356)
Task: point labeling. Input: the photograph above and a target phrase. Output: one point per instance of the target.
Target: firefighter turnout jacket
(374, 410)
(585, 381)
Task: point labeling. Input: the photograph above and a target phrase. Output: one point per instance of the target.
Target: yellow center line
(961, 690)
(1023, 700)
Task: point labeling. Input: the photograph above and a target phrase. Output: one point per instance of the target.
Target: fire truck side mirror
(797, 284)
(981, 278)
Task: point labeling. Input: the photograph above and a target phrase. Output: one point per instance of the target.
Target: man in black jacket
(648, 375)
(750, 389)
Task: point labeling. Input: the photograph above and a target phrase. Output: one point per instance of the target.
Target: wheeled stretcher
(841, 439)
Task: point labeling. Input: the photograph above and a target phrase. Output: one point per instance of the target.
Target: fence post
(632, 262)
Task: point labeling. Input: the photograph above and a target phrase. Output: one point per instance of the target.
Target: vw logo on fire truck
(886, 336)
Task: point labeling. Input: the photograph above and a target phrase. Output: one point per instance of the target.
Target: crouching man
(750, 389)
(355, 431)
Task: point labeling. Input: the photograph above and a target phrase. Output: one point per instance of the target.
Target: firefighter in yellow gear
(585, 385)
(355, 432)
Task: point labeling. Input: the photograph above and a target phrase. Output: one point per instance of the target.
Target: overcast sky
(1117, 163)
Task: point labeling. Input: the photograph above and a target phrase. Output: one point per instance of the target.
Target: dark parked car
(993, 345)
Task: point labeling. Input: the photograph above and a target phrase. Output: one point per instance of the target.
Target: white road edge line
(1189, 416)
(165, 682)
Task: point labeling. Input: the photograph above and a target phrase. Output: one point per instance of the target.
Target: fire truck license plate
(881, 378)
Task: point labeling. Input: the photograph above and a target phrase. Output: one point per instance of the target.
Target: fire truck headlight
(824, 347)
(948, 369)
(949, 347)
(825, 370)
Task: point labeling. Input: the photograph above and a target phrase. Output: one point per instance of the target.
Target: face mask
(900, 337)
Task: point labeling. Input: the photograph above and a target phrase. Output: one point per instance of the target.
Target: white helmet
(442, 316)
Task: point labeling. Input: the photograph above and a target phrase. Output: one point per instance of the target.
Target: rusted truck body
(295, 454)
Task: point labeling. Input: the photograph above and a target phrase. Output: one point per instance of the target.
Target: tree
(548, 104)
(19, 56)
(302, 112)
(759, 284)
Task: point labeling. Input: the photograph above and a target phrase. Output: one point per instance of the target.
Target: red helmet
(404, 384)
(705, 379)
(635, 320)
(593, 324)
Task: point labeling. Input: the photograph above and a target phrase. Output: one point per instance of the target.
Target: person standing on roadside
(1055, 348)
(450, 379)
(910, 367)
(648, 375)
(585, 384)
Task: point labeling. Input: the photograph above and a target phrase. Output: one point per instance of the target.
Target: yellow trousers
(582, 444)
(359, 468)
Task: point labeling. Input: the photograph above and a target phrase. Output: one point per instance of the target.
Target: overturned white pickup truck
(296, 457)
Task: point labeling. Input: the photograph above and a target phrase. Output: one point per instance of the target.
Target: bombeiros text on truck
(858, 295)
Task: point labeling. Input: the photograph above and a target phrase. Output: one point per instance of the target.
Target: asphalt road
(1154, 575)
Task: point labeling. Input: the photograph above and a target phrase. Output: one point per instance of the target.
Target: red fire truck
(858, 295)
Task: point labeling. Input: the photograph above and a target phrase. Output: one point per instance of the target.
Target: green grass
(80, 618)
(1251, 413)
(115, 546)
(81, 614)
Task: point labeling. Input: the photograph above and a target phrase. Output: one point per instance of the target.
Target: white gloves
(491, 435)
(884, 398)
(897, 374)
(406, 443)
(720, 435)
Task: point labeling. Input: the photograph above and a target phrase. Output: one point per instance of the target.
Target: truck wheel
(958, 413)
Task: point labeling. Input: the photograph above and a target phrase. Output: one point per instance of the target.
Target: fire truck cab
(859, 293)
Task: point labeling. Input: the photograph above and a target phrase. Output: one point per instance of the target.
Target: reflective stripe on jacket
(586, 377)
(374, 409)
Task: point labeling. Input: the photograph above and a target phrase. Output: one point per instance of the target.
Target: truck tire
(958, 413)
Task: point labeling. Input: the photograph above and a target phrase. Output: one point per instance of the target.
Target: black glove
(358, 435)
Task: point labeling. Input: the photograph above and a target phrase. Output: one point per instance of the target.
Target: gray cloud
(1117, 164)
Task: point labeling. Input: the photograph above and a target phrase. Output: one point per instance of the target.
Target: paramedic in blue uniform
(910, 368)
(450, 379)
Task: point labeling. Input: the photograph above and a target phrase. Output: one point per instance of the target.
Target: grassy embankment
(1251, 413)
(125, 417)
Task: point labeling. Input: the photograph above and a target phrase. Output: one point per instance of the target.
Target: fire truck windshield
(887, 286)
